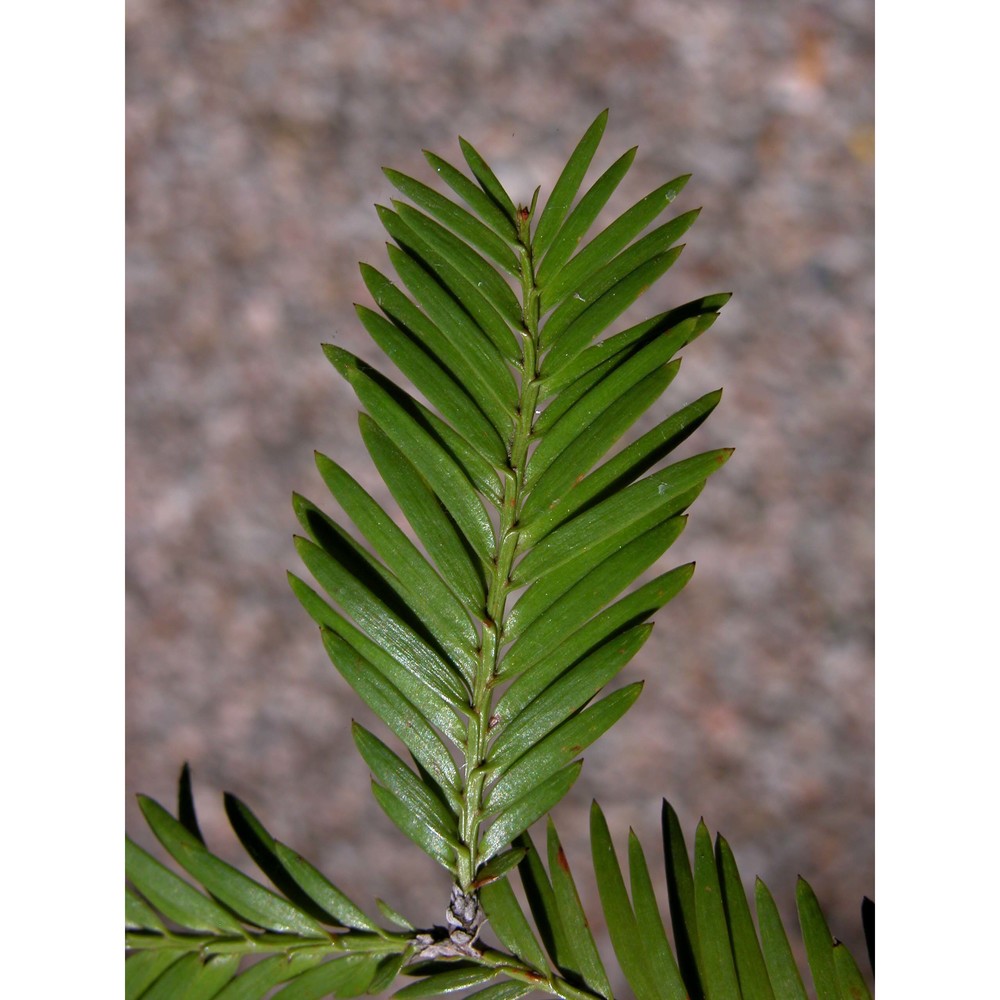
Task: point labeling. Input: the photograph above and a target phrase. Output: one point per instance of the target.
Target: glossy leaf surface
(524, 539)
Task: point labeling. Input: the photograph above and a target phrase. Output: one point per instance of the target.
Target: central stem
(499, 583)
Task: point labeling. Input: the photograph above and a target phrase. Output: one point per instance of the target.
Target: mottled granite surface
(255, 134)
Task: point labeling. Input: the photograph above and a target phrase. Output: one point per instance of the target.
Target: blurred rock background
(255, 134)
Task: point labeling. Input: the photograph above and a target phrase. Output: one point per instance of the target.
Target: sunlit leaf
(439, 467)
(504, 991)
(252, 901)
(599, 251)
(630, 610)
(543, 904)
(484, 632)
(257, 981)
(849, 979)
(625, 936)
(630, 504)
(456, 218)
(459, 270)
(556, 702)
(587, 961)
(593, 439)
(425, 512)
(403, 718)
(263, 848)
(751, 970)
(172, 896)
(818, 941)
(717, 967)
(681, 325)
(498, 867)
(409, 681)
(430, 374)
(518, 816)
(681, 892)
(567, 185)
(781, 967)
(446, 982)
(139, 916)
(649, 922)
(341, 977)
(323, 892)
(467, 261)
(627, 285)
(472, 360)
(143, 968)
(487, 179)
(477, 199)
(561, 746)
(540, 597)
(509, 924)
